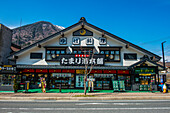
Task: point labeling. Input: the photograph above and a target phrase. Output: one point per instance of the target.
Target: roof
(167, 64)
(146, 60)
(16, 46)
(85, 23)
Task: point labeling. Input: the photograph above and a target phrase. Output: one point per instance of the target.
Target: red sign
(28, 70)
(109, 71)
(96, 71)
(123, 71)
(54, 70)
(68, 71)
(41, 71)
(77, 55)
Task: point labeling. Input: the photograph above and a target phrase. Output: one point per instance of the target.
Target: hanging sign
(80, 71)
(73, 60)
(143, 70)
(103, 75)
(7, 68)
(61, 74)
(82, 32)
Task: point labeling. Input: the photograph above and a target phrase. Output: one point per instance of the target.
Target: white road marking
(91, 103)
(109, 104)
(73, 109)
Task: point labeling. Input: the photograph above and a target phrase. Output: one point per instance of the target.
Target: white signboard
(61, 74)
(72, 60)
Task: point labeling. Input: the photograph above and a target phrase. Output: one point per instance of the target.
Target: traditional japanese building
(61, 59)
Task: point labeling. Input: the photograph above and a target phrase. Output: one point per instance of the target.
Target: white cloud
(12, 27)
(167, 59)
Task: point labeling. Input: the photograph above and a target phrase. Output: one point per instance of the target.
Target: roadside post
(91, 83)
(27, 86)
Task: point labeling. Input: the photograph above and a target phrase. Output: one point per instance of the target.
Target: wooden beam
(127, 45)
(15, 57)
(62, 34)
(103, 34)
(38, 45)
(82, 25)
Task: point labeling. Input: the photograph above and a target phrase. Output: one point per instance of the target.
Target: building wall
(5, 43)
(24, 58)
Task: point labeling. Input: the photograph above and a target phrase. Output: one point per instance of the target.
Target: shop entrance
(62, 80)
(127, 81)
(34, 79)
(103, 81)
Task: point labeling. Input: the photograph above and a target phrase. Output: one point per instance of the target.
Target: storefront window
(79, 52)
(53, 54)
(103, 81)
(63, 80)
(117, 56)
(79, 81)
(102, 52)
(112, 52)
(57, 52)
(145, 80)
(111, 55)
(48, 52)
(106, 52)
(6, 79)
(62, 52)
(75, 52)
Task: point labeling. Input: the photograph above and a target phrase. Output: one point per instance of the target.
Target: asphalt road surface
(85, 106)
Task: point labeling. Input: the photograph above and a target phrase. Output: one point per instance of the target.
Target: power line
(143, 43)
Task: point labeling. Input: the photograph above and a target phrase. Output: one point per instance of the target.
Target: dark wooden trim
(82, 46)
(55, 46)
(38, 45)
(100, 47)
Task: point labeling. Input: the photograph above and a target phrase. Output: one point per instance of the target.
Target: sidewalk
(90, 96)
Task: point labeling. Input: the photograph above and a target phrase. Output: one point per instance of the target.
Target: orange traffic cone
(164, 88)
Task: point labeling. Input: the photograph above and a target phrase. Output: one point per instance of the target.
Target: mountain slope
(29, 34)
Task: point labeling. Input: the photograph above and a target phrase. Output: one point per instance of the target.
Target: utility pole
(163, 54)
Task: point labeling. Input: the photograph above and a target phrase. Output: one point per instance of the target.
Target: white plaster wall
(25, 57)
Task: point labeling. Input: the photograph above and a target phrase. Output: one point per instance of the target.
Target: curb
(89, 98)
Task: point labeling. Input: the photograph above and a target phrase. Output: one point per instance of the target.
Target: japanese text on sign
(81, 61)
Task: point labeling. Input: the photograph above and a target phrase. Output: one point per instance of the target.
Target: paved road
(85, 106)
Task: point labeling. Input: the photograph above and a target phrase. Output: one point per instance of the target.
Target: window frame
(36, 57)
(57, 58)
(100, 42)
(64, 39)
(107, 59)
(91, 40)
(130, 54)
(74, 42)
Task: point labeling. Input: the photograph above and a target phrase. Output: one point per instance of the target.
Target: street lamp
(163, 54)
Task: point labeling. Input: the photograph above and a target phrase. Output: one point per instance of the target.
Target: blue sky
(145, 23)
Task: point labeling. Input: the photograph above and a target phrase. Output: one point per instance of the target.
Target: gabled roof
(144, 61)
(47, 38)
(85, 23)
